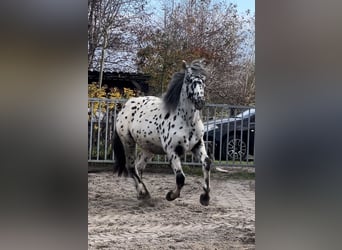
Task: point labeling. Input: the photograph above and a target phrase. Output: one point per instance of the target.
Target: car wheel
(235, 149)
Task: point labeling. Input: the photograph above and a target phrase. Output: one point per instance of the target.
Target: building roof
(121, 80)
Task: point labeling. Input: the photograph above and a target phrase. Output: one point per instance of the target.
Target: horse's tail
(120, 157)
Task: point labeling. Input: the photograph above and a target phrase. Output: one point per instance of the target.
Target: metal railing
(229, 133)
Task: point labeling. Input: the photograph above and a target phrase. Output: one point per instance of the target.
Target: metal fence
(229, 133)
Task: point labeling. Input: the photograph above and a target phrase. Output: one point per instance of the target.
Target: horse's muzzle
(199, 104)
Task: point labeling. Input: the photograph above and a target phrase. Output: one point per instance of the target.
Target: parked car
(231, 138)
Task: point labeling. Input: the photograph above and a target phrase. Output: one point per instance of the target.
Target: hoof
(144, 196)
(170, 196)
(204, 199)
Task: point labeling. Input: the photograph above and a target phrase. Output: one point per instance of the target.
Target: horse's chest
(193, 139)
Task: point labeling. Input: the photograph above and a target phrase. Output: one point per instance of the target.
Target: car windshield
(246, 113)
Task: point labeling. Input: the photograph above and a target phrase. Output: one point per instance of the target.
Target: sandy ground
(117, 220)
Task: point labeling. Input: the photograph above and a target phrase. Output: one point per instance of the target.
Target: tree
(111, 26)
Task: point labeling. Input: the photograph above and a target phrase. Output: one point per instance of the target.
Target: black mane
(172, 95)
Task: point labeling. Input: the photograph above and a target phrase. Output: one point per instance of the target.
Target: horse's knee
(180, 178)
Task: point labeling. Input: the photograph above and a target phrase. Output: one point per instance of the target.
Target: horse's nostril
(199, 104)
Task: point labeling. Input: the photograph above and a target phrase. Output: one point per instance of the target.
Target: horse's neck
(187, 110)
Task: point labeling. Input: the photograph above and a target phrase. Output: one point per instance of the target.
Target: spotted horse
(169, 125)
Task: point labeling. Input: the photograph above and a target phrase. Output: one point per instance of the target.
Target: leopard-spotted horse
(169, 125)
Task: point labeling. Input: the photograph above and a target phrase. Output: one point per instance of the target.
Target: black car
(231, 138)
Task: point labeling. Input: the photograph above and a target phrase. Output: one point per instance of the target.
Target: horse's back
(142, 101)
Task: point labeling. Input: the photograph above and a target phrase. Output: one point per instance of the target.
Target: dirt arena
(117, 220)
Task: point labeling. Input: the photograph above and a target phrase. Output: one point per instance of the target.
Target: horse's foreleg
(201, 154)
(180, 177)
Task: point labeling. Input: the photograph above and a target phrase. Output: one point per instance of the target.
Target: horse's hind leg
(140, 165)
(180, 177)
(139, 185)
(129, 145)
(143, 158)
(201, 154)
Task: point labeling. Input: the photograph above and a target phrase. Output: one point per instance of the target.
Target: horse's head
(194, 80)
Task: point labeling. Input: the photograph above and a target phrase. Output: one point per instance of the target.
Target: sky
(244, 5)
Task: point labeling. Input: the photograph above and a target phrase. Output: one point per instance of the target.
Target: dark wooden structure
(135, 81)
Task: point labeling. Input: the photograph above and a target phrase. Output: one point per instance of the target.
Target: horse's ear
(184, 64)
